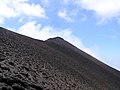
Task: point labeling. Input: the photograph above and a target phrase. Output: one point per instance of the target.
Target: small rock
(17, 87)
(6, 88)
(4, 67)
(25, 74)
(8, 81)
(36, 87)
(2, 59)
(11, 63)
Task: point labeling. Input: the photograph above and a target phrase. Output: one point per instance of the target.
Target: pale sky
(91, 25)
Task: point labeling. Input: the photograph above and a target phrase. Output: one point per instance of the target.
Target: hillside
(54, 64)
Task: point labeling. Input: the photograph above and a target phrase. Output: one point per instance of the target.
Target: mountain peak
(55, 38)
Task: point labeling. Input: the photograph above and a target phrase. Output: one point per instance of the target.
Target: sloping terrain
(54, 64)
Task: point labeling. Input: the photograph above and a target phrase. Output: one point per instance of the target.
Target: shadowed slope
(30, 64)
(92, 65)
(69, 49)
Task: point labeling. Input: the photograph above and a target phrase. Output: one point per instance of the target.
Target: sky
(91, 25)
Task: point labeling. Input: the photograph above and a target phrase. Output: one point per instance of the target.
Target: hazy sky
(91, 25)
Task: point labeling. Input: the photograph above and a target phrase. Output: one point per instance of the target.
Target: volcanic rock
(54, 64)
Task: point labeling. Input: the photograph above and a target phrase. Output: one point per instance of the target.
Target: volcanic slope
(54, 64)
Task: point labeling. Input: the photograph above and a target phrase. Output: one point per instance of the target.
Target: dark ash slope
(54, 64)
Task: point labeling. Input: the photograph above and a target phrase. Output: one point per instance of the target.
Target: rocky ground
(29, 64)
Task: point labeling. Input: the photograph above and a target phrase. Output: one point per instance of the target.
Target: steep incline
(71, 48)
(30, 64)
(93, 67)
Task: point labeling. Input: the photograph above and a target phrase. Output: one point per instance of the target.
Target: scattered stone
(17, 87)
(19, 81)
(36, 87)
(25, 74)
(11, 63)
(4, 67)
(2, 59)
(8, 81)
(6, 88)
